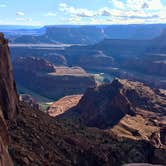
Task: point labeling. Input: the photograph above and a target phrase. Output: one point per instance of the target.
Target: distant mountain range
(13, 31)
(75, 34)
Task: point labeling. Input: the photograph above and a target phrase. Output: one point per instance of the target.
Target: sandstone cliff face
(8, 100)
(8, 95)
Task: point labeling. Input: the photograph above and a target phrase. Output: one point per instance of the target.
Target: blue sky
(51, 12)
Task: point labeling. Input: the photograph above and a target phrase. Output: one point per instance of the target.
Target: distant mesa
(51, 81)
(85, 34)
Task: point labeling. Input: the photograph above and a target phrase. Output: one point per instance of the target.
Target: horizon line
(80, 24)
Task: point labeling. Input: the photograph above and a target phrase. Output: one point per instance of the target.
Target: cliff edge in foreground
(8, 100)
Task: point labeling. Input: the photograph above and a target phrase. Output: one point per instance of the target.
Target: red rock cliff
(8, 94)
(8, 100)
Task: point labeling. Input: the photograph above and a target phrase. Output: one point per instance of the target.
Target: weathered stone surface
(64, 104)
(5, 159)
(8, 95)
(8, 100)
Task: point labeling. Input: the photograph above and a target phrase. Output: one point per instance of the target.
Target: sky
(81, 12)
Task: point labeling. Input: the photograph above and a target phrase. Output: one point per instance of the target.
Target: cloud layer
(119, 12)
(84, 12)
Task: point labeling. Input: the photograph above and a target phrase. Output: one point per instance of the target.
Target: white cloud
(104, 11)
(84, 13)
(137, 11)
(63, 5)
(130, 11)
(118, 4)
(80, 12)
(140, 4)
(20, 14)
(51, 14)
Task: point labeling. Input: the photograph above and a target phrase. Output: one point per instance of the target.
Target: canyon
(136, 59)
(131, 127)
(49, 80)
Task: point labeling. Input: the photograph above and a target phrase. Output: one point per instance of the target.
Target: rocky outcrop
(105, 105)
(8, 100)
(26, 98)
(33, 64)
(62, 105)
(127, 109)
